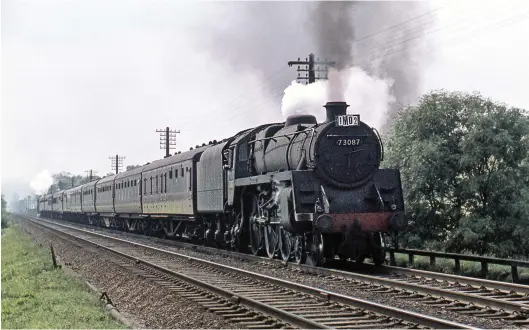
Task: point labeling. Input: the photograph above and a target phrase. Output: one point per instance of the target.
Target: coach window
(151, 185)
(157, 184)
(171, 174)
(145, 186)
(182, 172)
(165, 177)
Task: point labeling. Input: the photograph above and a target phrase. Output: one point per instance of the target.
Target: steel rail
(401, 314)
(497, 285)
(477, 300)
(248, 302)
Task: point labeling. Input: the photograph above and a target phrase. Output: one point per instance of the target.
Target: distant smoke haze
(42, 181)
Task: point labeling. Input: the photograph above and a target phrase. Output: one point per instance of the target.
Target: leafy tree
(465, 173)
(66, 180)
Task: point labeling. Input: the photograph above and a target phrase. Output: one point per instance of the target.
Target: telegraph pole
(167, 139)
(311, 69)
(116, 162)
(89, 174)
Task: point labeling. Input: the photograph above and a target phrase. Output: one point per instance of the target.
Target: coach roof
(175, 159)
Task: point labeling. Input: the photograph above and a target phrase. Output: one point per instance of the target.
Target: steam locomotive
(300, 190)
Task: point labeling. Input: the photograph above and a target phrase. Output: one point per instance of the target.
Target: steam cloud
(374, 84)
(261, 36)
(366, 95)
(41, 182)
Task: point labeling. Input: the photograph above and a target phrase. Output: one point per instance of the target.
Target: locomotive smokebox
(335, 109)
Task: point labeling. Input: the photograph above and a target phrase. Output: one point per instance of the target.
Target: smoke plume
(332, 30)
(370, 41)
(41, 182)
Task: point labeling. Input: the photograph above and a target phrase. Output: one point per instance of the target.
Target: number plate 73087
(348, 142)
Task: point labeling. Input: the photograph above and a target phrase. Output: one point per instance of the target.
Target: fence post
(53, 257)
(432, 260)
(410, 258)
(392, 258)
(484, 269)
(514, 274)
(457, 265)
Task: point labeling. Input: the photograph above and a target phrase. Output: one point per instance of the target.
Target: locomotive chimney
(335, 109)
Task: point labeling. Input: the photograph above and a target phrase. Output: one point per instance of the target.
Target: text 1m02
(347, 120)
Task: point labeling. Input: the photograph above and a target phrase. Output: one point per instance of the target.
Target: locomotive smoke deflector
(335, 109)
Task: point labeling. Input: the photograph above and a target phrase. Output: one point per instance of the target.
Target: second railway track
(225, 289)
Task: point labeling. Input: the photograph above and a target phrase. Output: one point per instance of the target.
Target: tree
(465, 173)
(4, 213)
(131, 167)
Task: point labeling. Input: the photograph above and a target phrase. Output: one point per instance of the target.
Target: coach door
(229, 170)
(189, 187)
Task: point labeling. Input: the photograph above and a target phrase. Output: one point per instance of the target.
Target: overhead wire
(384, 43)
(239, 101)
(408, 48)
(279, 91)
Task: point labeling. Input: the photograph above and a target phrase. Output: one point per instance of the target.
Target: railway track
(251, 299)
(465, 295)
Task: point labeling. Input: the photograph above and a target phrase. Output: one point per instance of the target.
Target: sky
(85, 80)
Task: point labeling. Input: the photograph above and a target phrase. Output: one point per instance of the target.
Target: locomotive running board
(265, 178)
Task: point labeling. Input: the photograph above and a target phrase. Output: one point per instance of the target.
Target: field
(35, 295)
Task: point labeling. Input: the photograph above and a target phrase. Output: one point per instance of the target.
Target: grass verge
(468, 268)
(35, 295)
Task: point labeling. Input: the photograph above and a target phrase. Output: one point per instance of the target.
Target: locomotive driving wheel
(299, 249)
(316, 252)
(271, 240)
(286, 243)
(256, 232)
(255, 237)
